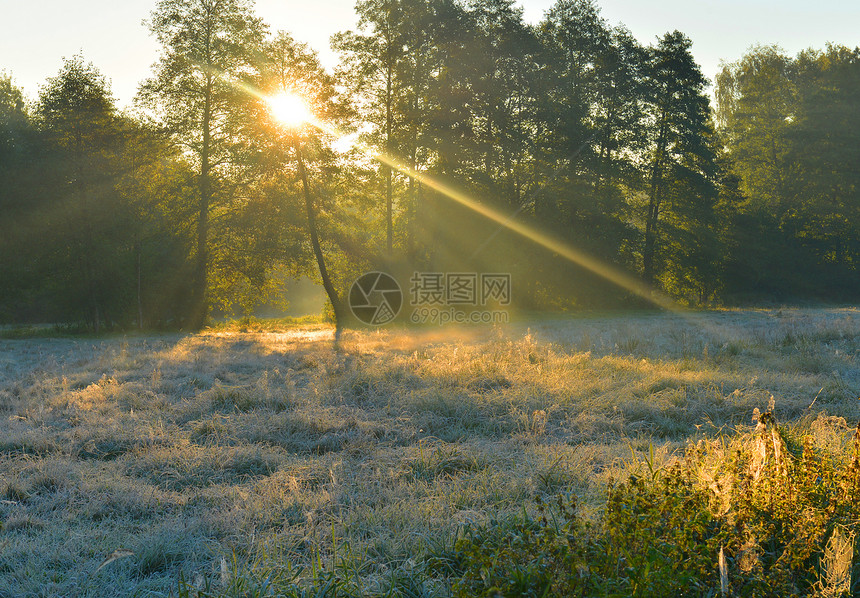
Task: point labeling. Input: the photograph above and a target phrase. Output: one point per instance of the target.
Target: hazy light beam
(610, 273)
(547, 241)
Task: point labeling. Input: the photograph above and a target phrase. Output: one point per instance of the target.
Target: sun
(289, 109)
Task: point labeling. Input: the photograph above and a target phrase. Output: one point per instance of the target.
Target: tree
(597, 122)
(14, 122)
(757, 102)
(207, 45)
(154, 182)
(77, 117)
(18, 182)
(483, 132)
(501, 78)
(791, 133)
(825, 146)
(372, 63)
(387, 65)
(292, 150)
(579, 41)
(680, 168)
(105, 195)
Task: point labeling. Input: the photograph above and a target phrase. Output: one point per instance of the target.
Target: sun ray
(560, 247)
(547, 241)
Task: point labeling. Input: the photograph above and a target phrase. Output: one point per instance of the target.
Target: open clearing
(253, 445)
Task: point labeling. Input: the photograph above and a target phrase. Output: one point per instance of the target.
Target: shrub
(769, 512)
(781, 507)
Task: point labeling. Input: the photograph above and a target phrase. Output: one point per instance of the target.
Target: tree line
(199, 199)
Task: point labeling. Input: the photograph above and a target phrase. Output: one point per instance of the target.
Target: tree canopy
(201, 203)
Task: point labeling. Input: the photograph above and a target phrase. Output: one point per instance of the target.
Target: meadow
(152, 465)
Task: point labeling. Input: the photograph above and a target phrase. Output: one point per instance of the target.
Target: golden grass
(179, 451)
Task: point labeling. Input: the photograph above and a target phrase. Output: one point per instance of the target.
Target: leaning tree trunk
(337, 305)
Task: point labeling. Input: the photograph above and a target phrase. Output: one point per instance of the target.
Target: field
(204, 456)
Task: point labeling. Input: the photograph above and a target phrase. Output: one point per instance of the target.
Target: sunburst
(290, 109)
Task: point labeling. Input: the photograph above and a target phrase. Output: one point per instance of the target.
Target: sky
(36, 34)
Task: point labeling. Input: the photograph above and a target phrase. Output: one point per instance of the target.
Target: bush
(781, 508)
(769, 512)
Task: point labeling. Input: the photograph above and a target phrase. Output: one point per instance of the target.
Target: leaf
(119, 553)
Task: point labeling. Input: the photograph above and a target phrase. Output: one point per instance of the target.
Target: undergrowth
(253, 324)
(770, 511)
(781, 508)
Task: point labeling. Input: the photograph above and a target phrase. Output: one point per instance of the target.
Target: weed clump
(768, 512)
(778, 506)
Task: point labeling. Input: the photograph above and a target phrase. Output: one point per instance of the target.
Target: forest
(198, 201)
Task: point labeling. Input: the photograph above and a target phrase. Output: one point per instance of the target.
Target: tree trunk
(412, 209)
(653, 209)
(337, 306)
(648, 251)
(137, 250)
(205, 188)
(389, 202)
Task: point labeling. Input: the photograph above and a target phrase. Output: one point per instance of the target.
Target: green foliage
(206, 47)
(779, 505)
(657, 538)
(17, 136)
(772, 505)
(93, 224)
(570, 125)
(793, 149)
(526, 556)
(681, 173)
(102, 192)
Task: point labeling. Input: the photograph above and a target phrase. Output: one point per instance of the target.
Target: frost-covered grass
(203, 454)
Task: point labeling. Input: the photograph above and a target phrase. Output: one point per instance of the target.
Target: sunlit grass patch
(183, 466)
(252, 324)
(435, 459)
(274, 451)
(307, 431)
